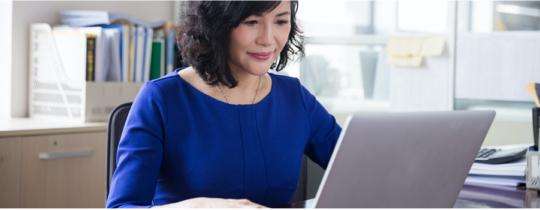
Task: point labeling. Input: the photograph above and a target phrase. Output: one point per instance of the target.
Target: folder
(147, 54)
(58, 86)
(113, 36)
(157, 64)
(100, 53)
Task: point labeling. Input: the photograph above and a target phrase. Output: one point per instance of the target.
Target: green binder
(157, 63)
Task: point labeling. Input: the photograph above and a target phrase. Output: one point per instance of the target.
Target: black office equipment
(499, 156)
(115, 127)
(535, 125)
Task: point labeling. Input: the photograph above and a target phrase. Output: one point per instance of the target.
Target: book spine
(155, 64)
(90, 58)
(169, 51)
(131, 67)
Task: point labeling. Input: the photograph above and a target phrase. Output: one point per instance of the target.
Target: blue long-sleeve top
(179, 143)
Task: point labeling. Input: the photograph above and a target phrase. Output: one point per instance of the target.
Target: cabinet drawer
(10, 161)
(63, 171)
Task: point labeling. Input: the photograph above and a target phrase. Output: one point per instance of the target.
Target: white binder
(58, 87)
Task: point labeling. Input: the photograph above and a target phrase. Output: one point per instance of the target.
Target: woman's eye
(250, 22)
(282, 22)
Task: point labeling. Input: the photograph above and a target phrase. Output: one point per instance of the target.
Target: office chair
(117, 121)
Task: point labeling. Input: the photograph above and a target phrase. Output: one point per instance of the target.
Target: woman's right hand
(203, 202)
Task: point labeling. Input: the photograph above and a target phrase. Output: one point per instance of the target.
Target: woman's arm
(324, 130)
(139, 152)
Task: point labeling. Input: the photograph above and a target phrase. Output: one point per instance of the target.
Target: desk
(476, 196)
(488, 197)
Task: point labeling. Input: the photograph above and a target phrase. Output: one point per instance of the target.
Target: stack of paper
(78, 18)
(512, 181)
(508, 174)
(511, 175)
(508, 169)
(83, 18)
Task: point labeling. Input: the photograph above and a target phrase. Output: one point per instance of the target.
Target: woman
(224, 132)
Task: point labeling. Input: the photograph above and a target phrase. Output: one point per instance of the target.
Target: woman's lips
(261, 56)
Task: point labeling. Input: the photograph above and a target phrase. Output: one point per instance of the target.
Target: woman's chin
(260, 69)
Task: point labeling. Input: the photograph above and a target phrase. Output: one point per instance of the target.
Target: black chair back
(117, 120)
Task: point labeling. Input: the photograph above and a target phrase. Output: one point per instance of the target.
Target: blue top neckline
(214, 100)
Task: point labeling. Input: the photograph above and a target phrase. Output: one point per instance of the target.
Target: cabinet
(63, 171)
(52, 165)
(10, 161)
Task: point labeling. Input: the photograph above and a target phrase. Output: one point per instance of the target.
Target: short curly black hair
(204, 34)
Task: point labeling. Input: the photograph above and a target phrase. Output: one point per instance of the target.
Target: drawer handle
(62, 155)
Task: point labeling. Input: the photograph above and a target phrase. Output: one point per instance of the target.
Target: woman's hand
(203, 202)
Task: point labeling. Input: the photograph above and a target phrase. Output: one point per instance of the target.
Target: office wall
(427, 88)
(5, 57)
(27, 12)
(497, 66)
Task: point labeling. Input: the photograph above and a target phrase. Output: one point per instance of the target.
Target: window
(345, 64)
(412, 16)
(343, 42)
(490, 16)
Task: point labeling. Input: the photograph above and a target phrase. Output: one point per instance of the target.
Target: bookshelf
(23, 13)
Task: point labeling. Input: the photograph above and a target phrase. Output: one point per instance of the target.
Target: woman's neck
(249, 87)
(243, 93)
(246, 81)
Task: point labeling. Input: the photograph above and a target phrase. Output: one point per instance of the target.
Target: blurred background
(361, 56)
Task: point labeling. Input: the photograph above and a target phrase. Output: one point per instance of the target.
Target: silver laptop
(403, 160)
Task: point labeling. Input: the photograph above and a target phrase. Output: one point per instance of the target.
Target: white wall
(498, 65)
(5, 57)
(27, 12)
(426, 88)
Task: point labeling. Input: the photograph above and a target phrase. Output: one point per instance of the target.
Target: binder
(157, 63)
(58, 86)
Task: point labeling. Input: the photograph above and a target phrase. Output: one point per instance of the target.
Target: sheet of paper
(406, 61)
(433, 46)
(410, 51)
(502, 181)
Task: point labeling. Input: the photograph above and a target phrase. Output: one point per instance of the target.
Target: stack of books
(119, 47)
(94, 61)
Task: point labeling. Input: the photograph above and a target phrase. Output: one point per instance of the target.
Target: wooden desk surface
(476, 196)
(29, 127)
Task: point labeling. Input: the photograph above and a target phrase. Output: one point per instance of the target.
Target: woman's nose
(265, 35)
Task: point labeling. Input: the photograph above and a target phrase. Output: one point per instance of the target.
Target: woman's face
(258, 40)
